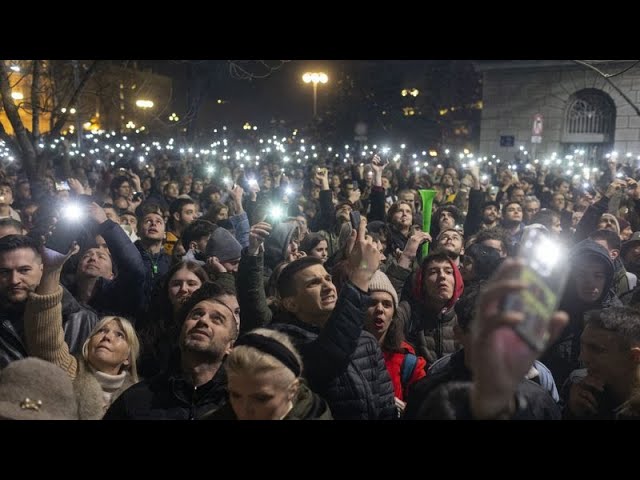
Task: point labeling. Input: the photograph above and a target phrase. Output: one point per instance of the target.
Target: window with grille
(590, 118)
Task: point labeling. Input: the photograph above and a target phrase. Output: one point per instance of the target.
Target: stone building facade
(578, 108)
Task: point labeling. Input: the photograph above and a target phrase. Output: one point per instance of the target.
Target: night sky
(357, 90)
(282, 94)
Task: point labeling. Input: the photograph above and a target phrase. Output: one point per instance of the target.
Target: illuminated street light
(315, 78)
(17, 95)
(173, 117)
(144, 104)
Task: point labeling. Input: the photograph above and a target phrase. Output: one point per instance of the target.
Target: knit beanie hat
(277, 244)
(623, 224)
(381, 283)
(223, 244)
(34, 389)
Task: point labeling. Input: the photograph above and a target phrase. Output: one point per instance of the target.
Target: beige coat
(44, 338)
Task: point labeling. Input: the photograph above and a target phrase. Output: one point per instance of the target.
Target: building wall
(512, 97)
(101, 100)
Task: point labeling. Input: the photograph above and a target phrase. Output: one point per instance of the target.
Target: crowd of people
(271, 279)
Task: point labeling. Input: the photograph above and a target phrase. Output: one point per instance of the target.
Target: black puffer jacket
(77, 322)
(168, 396)
(361, 390)
(562, 357)
(342, 363)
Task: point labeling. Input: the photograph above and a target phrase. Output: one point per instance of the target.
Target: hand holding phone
(354, 216)
(378, 161)
(544, 273)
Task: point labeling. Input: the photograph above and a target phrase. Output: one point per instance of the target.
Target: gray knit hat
(34, 389)
(223, 244)
(381, 283)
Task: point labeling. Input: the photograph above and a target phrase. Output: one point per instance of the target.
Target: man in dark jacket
(20, 273)
(98, 284)
(195, 382)
(152, 232)
(343, 363)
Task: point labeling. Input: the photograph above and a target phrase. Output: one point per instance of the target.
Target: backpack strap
(407, 368)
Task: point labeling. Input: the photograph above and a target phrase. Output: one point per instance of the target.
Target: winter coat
(155, 267)
(342, 363)
(128, 285)
(429, 331)
(168, 396)
(44, 339)
(395, 362)
(306, 406)
(562, 357)
(533, 402)
(77, 322)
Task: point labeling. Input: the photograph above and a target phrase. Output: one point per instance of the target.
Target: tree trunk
(27, 151)
(36, 86)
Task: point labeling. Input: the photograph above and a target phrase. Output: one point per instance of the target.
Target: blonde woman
(107, 365)
(263, 375)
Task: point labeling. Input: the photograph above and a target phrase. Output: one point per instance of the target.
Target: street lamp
(315, 78)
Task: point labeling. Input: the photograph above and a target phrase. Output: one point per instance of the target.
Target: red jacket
(394, 360)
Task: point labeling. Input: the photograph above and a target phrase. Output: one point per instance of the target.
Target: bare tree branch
(74, 97)
(607, 77)
(244, 69)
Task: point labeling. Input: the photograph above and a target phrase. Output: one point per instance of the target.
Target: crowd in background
(272, 277)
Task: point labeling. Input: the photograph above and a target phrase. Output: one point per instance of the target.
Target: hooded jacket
(429, 331)
(562, 357)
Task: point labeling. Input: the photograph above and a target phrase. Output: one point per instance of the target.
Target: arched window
(589, 123)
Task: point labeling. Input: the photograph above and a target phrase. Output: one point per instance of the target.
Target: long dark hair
(311, 241)
(159, 322)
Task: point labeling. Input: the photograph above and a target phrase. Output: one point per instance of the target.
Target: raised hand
(355, 195)
(214, 265)
(321, 178)
(499, 357)
(411, 248)
(52, 260)
(135, 179)
(97, 213)
(614, 187)
(257, 236)
(364, 258)
(236, 193)
(76, 186)
(377, 164)
(632, 189)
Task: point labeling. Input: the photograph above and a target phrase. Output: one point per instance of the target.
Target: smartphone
(545, 274)
(275, 214)
(71, 226)
(61, 186)
(354, 216)
(384, 160)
